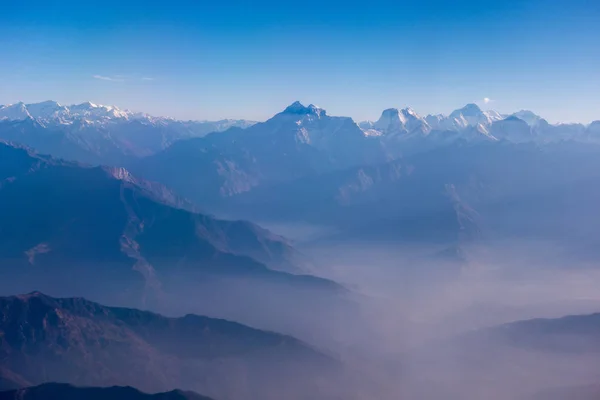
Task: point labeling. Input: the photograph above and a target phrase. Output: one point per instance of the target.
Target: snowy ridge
(53, 112)
(309, 125)
(472, 123)
(397, 123)
(143, 134)
(94, 133)
(88, 113)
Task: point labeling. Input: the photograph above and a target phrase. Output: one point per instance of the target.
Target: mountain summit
(299, 109)
(394, 122)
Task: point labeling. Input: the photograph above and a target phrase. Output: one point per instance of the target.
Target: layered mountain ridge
(63, 391)
(99, 232)
(46, 339)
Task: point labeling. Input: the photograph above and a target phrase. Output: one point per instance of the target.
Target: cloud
(117, 78)
(123, 78)
(487, 100)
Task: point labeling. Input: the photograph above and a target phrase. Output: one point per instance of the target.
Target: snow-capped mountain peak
(472, 115)
(14, 112)
(469, 110)
(394, 121)
(47, 110)
(297, 108)
(529, 117)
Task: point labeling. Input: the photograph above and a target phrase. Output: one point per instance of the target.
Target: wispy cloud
(117, 78)
(147, 78)
(487, 100)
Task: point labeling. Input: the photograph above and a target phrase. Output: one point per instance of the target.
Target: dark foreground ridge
(46, 339)
(63, 391)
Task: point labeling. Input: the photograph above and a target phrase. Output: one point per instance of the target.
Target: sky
(250, 59)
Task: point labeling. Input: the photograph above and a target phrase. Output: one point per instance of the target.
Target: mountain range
(552, 358)
(305, 165)
(63, 391)
(305, 141)
(94, 347)
(68, 229)
(298, 141)
(129, 210)
(98, 134)
(45, 339)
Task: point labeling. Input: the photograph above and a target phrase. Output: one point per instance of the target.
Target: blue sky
(249, 59)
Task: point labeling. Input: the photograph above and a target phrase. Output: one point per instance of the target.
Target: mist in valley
(430, 321)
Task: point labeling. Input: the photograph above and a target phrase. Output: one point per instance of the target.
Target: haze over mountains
(77, 341)
(99, 232)
(386, 259)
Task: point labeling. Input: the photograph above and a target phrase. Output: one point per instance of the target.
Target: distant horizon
(211, 61)
(484, 106)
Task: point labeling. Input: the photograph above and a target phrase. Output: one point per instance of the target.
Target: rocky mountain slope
(45, 339)
(67, 229)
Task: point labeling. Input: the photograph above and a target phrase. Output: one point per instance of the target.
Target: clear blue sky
(217, 59)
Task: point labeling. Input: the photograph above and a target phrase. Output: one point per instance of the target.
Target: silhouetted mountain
(556, 358)
(572, 334)
(63, 391)
(45, 339)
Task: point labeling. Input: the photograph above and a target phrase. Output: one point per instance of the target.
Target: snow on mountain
(469, 117)
(309, 125)
(94, 133)
(366, 124)
(436, 121)
(104, 130)
(298, 108)
(529, 117)
(47, 110)
(594, 127)
(495, 115)
(14, 112)
(472, 115)
(97, 113)
(51, 111)
(397, 123)
(512, 129)
(88, 113)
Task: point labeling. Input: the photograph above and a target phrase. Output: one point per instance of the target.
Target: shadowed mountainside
(97, 232)
(45, 339)
(62, 391)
